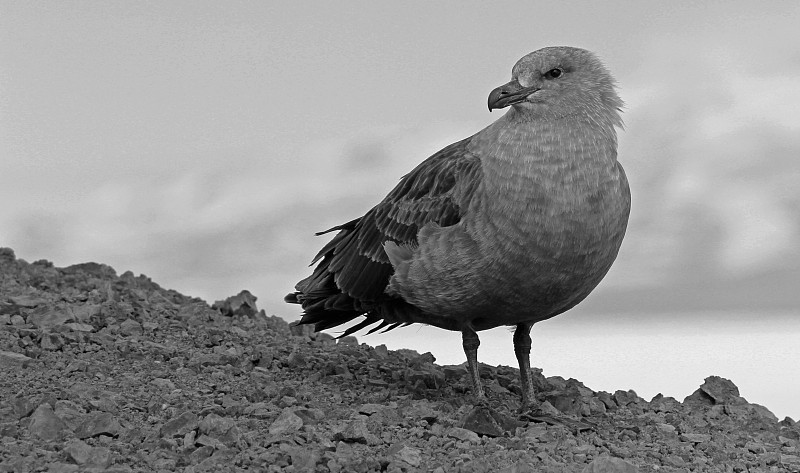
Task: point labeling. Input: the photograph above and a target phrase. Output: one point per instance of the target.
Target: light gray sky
(202, 143)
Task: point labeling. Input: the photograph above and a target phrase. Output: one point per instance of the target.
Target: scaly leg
(522, 349)
(471, 344)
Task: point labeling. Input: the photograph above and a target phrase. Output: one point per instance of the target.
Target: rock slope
(108, 373)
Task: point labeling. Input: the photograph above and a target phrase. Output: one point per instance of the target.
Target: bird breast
(548, 217)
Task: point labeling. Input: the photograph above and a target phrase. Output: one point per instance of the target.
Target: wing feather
(353, 269)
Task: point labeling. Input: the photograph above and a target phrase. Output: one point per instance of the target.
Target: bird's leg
(522, 349)
(471, 344)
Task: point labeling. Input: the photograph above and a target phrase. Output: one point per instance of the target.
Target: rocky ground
(100, 372)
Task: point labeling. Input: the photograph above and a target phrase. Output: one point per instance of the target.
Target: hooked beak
(509, 94)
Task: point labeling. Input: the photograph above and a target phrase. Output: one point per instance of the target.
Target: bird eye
(553, 73)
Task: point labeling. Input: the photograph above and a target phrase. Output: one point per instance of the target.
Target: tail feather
(326, 305)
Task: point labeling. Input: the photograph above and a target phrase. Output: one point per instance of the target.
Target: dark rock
(454, 372)
(485, 421)
(624, 398)
(607, 400)
(715, 390)
(242, 304)
(431, 377)
(357, 432)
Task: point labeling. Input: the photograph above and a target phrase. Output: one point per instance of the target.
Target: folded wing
(354, 270)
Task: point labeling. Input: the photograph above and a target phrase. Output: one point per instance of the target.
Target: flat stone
(369, 409)
(48, 316)
(695, 438)
(79, 327)
(519, 467)
(10, 359)
(180, 425)
(98, 423)
(606, 464)
(463, 434)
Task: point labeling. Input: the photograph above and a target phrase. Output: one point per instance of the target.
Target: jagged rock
(45, 424)
(130, 327)
(715, 390)
(198, 391)
(485, 421)
(286, 422)
(85, 455)
(406, 454)
(22, 406)
(243, 304)
(221, 428)
(357, 431)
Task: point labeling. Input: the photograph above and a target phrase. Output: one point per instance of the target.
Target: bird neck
(574, 137)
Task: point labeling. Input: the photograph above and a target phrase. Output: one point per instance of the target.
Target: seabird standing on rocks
(511, 226)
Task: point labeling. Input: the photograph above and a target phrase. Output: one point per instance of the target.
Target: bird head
(557, 82)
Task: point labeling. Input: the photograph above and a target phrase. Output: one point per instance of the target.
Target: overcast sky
(202, 143)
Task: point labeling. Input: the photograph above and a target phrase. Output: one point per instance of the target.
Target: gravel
(108, 373)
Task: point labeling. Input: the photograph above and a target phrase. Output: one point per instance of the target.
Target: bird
(511, 226)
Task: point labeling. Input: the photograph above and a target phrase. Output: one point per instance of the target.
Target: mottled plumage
(511, 226)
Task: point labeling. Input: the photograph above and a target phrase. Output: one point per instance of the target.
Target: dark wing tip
(292, 298)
